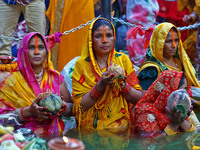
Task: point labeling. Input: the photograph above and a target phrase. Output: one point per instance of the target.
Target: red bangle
(95, 94)
(21, 114)
(126, 90)
(64, 111)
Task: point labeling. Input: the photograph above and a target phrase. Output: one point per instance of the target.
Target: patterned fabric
(150, 112)
(155, 54)
(21, 88)
(109, 111)
(20, 32)
(141, 13)
(12, 2)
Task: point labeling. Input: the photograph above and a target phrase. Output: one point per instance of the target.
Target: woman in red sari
(151, 116)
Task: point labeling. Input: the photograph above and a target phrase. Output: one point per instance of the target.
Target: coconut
(179, 100)
(117, 71)
(53, 102)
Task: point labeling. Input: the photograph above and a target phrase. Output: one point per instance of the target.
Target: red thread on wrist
(21, 114)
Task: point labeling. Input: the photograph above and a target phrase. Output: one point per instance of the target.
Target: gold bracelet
(169, 131)
(193, 128)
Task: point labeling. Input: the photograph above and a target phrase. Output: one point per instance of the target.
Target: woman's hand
(38, 111)
(22, 2)
(189, 18)
(106, 79)
(66, 108)
(175, 117)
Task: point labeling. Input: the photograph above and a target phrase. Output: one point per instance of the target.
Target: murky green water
(104, 140)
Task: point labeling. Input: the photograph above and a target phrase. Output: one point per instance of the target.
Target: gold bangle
(193, 128)
(169, 131)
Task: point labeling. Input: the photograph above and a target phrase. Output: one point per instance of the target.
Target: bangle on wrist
(19, 117)
(169, 131)
(68, 108)
(21, 114)
(126, 89)
(192, 128)
(95, 94)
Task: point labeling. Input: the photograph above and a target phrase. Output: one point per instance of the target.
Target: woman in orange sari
(34, 75)
(100, 101)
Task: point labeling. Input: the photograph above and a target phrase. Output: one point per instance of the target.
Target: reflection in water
(103, 139)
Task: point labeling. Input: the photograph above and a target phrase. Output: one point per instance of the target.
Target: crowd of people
(107, 92)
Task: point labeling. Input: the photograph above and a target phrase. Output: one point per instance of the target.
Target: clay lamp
(65, 143)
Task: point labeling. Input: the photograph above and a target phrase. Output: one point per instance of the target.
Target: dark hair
(101, 22)
(174, 29)
(41, 38)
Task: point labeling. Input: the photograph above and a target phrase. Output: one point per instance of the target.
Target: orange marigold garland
(8, 67)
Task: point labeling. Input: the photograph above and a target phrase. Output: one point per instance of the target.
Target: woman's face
(37, 52)
(171, 44)
(103, 40)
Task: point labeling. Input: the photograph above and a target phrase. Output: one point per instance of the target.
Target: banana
(4, 130)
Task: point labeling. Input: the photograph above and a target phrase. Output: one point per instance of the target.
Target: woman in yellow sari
(100, 101)
(34, 75)
(166, 52)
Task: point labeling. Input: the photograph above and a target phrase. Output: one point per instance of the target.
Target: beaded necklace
(39, 74)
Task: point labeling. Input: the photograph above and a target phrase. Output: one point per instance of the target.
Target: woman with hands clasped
(105, 85)
(33, 76)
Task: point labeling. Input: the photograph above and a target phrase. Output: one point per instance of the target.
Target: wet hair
(101, 22)
(174, 29)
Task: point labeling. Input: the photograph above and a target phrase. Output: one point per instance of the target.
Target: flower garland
(8, 67)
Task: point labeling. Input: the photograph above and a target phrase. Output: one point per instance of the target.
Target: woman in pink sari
(33, 76)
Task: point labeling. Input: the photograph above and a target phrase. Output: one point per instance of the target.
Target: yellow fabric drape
(17, 93)
(74, 13)
(109, 112)
(157, 42)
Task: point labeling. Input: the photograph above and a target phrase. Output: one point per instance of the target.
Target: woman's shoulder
(148, 72)
(147, 76)
(150, 66)
(121, 54)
